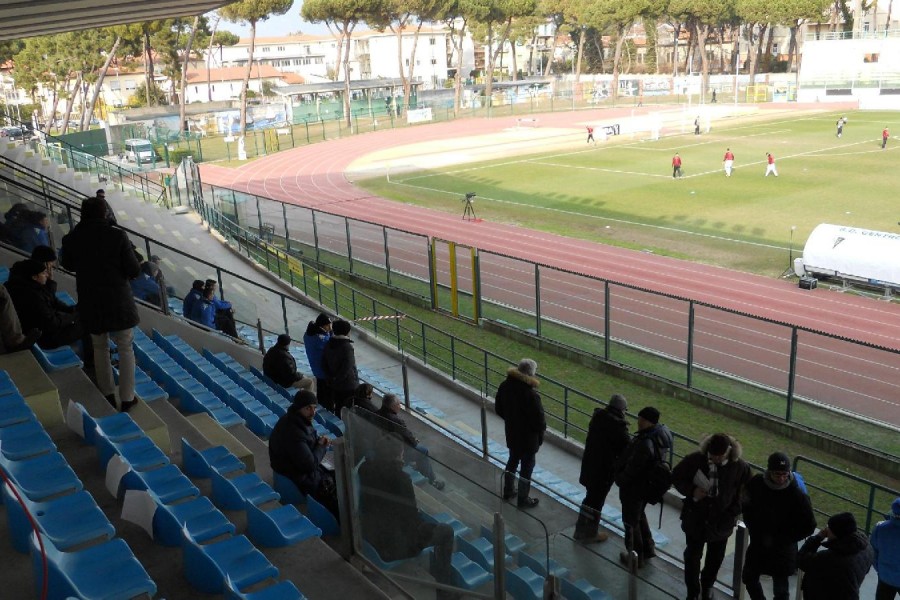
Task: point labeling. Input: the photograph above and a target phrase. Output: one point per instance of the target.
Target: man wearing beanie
(518, 403)
(317, 334)
(778, 514)
(280, 366)
(651, 443)
(712, 482)
(339, 364)
(885, 542)
(607, 438)
(839, 570)
(38, 308)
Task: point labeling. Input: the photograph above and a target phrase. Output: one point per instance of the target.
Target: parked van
(139, 151)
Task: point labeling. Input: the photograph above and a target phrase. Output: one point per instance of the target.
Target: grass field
(622, 191)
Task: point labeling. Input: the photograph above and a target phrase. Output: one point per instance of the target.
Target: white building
(225, 83)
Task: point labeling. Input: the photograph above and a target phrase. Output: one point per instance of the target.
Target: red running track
(313, 176)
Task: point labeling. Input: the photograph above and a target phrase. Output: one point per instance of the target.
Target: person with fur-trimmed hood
(519, 405)
(778, 514)
(712, 482)
(839, 570)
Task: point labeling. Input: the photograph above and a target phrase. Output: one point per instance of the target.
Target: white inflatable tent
(850, 253)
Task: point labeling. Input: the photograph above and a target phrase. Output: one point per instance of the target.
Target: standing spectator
(339, 365)
(391, 521)
(839, 570)
(104, 261)
(590, 138)
(770, 165)
(415, 453)
(166, 291)
(317, 334)
(519, 405)
(728, 162)
(144, 286)
(885, 134)
(676, 166)
(296, 452)
(712, 482)
(840, 127)
(713, 101)
(607, 438)
(11, 337)
(39, 308)
(697, 125)
(650, 444)
(778, 514)
(886, 544)
(196, 293)
(279, 365)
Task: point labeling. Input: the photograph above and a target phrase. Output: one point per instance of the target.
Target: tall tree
(620, 17)
(218, 39)
(456, 20)
(252, 12)
(702, 17)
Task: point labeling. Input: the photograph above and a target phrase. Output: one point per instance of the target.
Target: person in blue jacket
(885, 541)
(191, 298)
(35, 231)
(317, 334)
(204, 310)
(144, 286)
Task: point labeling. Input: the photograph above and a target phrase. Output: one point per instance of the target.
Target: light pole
(791, 249)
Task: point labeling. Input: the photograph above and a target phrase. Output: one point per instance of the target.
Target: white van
(139, 151)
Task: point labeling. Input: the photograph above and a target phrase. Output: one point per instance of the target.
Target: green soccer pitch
(622, 192)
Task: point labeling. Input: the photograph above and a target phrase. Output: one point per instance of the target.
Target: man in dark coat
(317, 334)
(839, 570)
(11, 337)
(415, 453)
(519, 405)
(280, 366)
(778, 514)
(191, 298)
(607, 438)
(104, 262)
(39, 308)
(651, 442)
(339, 364)
(296, 452)
(391, 521)
(712, 483)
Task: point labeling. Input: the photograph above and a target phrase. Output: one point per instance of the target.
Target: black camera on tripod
(469, 210)
(469, 196)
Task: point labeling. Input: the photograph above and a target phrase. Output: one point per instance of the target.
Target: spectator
(296, 452)
(144, 286)
(778, 514)
(839, 570)
(339, 365)
(35, 231)
(46, 255)
(712, 482)
(191, 298)
(166, 290)
(103, 260)
(519, 405)
(16, 220)
(110, 213)
(317, 334)
(38, 308)
(391, 521)
(203, 310)
(11, 337)
(886, 544)
(415, 453)
(607, 438)
(651, 442)
(363, 397)
(223, 312)
(280, 366)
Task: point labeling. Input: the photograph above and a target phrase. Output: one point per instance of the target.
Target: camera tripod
(469, 210)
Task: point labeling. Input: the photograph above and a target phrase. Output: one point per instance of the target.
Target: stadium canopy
(22, 19)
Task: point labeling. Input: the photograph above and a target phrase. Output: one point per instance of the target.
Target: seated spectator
(339, 365)
(167, 290)
(11, 337)
(144, 287)
(296, 452)
(415, 453)
(203, 310)
(15, 220)
(391, 521)
(191, 298)
(47, 255)
(280, 366)
(38, 308)
(363, 398)
(317, 334)
(35, 232)
(224, 313)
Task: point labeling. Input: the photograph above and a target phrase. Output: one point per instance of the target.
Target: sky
(290, 22)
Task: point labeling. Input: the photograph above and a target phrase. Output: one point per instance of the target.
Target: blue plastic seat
(268, 381)
(524, 584)
(42, 476)
(56, 359)
(538, 563)
(116, 428)
(232, 493)
(282, 526)
(167, 483)
(200, 463)
(206, 566)
(283, 590)
(479, 550)
(141, 453)
(371, 553)
(14, 410)
(468, 574)
(66, 298)
(460, 529)
(582, 590)
(512, 543)
(287, 489)
(202, 520)
(107, 571)
(321, 517)
(25, 440)
(66, 521)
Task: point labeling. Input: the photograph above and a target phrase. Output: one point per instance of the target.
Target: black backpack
(659, 476)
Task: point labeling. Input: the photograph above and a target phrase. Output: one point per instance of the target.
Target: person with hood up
(339, 365)
(839, 570)
(317, 334)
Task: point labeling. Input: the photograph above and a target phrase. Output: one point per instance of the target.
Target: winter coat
(192, 297)
(838, 571)
(711, 519)
(390, 518)
(314, 341)
(607, 439)
(204, 312)
(519, 405)
(396, 424)
(104, 261)
(339, 365)
(886, 543)
(280, 366)
(777, 519)
(145, 288)
(38, 307)
(295, 452)
(31, 236)
(634, 464)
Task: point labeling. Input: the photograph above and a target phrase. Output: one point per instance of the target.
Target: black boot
(509, 485)
(587, 528)
(523, 500)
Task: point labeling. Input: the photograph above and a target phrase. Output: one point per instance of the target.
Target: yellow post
(454, 283)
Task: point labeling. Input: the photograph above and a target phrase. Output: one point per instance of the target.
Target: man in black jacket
(104, 261)
(519, 405)
(39, 308)
(712, 483)
(296, 452)
(839, 570)
(280, 366)
(414, 452)
(651, 442)
(339, 364)
(607, 438)
(778, 514)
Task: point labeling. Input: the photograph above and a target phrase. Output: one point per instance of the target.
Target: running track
(313, 176)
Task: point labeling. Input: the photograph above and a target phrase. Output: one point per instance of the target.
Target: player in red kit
(676, 166)
(728, 162)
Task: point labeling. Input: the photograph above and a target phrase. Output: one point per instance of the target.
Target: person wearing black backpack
(712, 483)
(651, 443)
